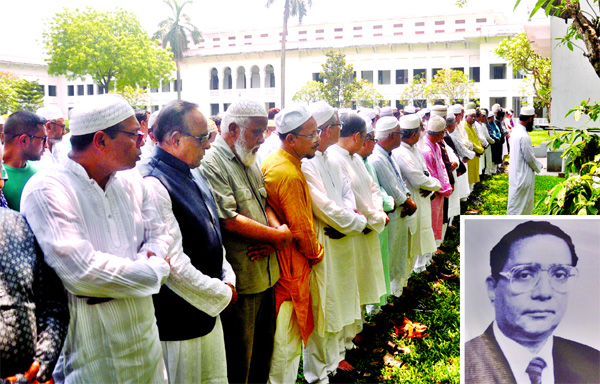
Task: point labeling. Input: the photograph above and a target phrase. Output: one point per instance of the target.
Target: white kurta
(97, 242)
(391, 181)
(59, 152)
(413, 167)
(454, 199)
(370, 276)
(521, 173)
(271, 144)
(462, 182)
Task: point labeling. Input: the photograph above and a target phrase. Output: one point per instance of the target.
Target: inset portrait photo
(530, 299)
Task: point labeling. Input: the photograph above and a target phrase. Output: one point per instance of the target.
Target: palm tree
(291, 8)
(174, 31)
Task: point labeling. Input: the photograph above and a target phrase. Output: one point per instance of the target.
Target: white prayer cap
(246, 108)
(387, 111)
(367, 121)
(470, 112)
(423, 112)
(439, 110)
(99, 112)
(411, 121)
(491, 114)
(321, 111)
(50, 112)
(436, 124)
(471, 105)
(456, 109)
(291, 118)
(152, 119)
(527, 111)
(377, 109)
(386, 123)
(212, 127)
(409, 109)
(496, 108)
(369, 112)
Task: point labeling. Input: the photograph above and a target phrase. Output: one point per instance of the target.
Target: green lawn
(538, 136)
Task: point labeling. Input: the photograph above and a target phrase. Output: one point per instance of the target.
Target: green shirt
(17, 178)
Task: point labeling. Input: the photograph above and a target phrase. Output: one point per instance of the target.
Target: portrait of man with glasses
(535, 270)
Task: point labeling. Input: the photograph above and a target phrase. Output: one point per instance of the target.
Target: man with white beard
(250, 243)
(55, 129)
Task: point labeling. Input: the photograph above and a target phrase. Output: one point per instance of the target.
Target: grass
(538, 136)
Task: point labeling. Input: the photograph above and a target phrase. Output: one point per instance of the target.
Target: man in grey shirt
(250, 243)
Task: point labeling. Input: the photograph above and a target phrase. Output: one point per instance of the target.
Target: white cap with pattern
(321, 111)
(247, 108)
(291, 118)
(436, 124)
(50, 112)
(99, 112)
(439, 110)
(412, 121)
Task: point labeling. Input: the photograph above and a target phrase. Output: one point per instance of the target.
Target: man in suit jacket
(519, 346)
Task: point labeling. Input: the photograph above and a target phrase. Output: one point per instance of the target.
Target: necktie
(534, 370)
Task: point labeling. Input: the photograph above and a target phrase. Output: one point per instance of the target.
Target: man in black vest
(201, 284)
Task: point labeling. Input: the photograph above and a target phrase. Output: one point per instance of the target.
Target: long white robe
(391, 181)
(521, 173)
(454, 199)
(413, 167)
(370, 276)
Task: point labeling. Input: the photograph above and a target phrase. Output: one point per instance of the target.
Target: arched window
(227, 83)
(241, 78)
(269, 76)
(255, 80)
(214, 79)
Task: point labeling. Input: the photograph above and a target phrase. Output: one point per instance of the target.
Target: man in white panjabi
(335, 303)
(464, 149)
(402, 218)
(370, 275)
(55, 129)
(105, 239)
(420, 184)
(523, 166)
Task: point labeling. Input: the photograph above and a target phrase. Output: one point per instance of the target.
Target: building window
(90, 89)
(269, 76)
(214, 80)
(419, 73)
(70, 90)
(377, 34)
(474, 74)
(497, 71)
(439, 31)
(460, 30)
(461, 69)
(399, 105)
(498, 100)
(247, 36)
(377, 26)
(166, 87)
(440, 22)
(225, 106)
(516, 106)
(216, 39)
(175, 86)
(398, 25)
(358, 28)
(320, 38)
(227, 80)
(100, 90)
(419, 32)
(264, 35)
(397, 33)
(231, 37)
(154, 108)
(43, 88)
(338, 30)
(367, 75)
(401, 76)
(255, 77)
(459, 21)
(80, 90)
(383, 77)
(302, 33)
(214, 109)
(154, 90)
(319, 31)
(241, 78)
(316, 77)
(420, 103)
(420, 24)
(357, 36)
(434, 72)
(338, 37)
(519, 75)
(269, 105)
(481, 20)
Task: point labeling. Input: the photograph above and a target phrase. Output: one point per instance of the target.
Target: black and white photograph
(529, 300)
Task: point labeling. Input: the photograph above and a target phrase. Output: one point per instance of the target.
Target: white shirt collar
(518, 357)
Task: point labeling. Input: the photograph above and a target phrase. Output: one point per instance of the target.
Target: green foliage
(415, 90)
(311, 91)
(338, 78)
(30, 96)
(517, 51)
(138, 98)
(451, 85)
(539, 136)
(364, 94)
(295, 7)
(8, 92)
(111, 47)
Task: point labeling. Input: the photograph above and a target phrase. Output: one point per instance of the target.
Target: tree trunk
(588, 31)
(286, 15)
(178, 84)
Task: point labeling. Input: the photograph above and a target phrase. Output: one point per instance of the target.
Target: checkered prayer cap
(247, 108)
(99, 112)
(321, 111)
(50, 112)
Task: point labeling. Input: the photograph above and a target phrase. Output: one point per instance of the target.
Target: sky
(23, 20)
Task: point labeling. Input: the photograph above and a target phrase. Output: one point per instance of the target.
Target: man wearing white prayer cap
(409, 110)
(386, 111)
(388, 137)
(439, 110)
(55, 130)
(250, 243)
(148, 147)
(475, 145)
(337, 224)
(420, 185)
(523, 166)
(289, 197)
(109, 247)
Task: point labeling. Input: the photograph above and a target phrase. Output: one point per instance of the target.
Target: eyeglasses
(395, 133)
(63, 126)
(524, 277)
(139, 139)
(337, 125)
(43, 138)
(370, 138)
(201, 138)
(3, 173)
(314, 136)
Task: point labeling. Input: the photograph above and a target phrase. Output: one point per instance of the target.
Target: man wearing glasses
(533, 269)
(102, 235)
(25, 141)
(55, 129)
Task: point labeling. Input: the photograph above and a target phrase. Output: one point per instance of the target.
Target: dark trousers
(249, 329)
